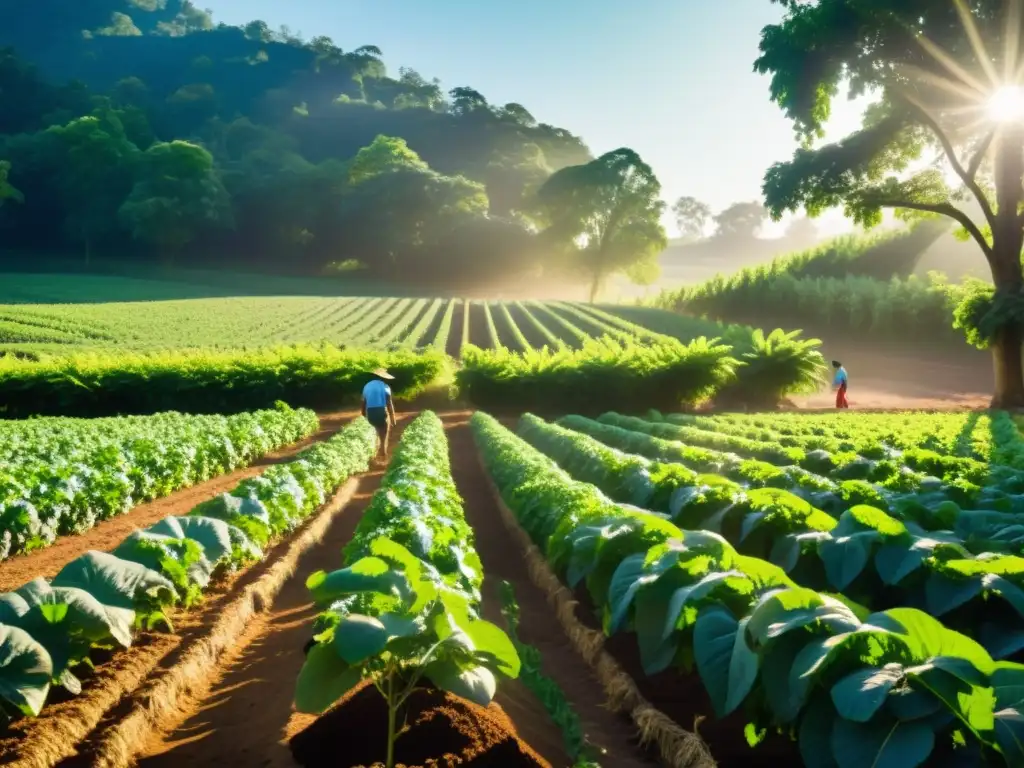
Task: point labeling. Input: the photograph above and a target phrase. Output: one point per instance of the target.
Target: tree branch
(966, 175)
(975, 163)
(944, 209)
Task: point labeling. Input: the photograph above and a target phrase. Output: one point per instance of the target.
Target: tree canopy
(691, 217)
(938, 140)
(740, 221)
(606, 215)
(301, 136)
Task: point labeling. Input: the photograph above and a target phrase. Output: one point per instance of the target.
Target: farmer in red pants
(839, 384)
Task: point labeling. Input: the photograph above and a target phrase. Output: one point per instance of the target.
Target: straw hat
(383, 374)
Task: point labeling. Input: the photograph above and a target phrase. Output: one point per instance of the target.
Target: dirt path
(503, 560)
(110, 533)
(908, 378)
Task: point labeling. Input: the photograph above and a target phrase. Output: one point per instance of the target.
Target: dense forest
(141, 130)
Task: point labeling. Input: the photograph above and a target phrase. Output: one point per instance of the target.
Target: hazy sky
(673, 79)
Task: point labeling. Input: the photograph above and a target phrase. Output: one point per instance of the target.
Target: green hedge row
(108, 383)
(605, 374)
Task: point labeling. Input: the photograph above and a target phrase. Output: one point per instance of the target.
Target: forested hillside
(140, 130)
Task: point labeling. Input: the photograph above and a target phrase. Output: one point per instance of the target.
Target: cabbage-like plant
(392, 620)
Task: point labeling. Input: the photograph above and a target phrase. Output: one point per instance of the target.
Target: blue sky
(673, 79)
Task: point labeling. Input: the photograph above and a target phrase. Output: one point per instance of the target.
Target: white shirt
(376, 394)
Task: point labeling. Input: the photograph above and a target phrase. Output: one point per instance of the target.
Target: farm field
(366, 322)
(813, 573)
(771, 550)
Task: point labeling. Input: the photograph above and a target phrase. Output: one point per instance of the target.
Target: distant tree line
(140, 130)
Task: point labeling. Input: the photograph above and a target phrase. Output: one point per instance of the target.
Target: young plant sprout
(393, 620)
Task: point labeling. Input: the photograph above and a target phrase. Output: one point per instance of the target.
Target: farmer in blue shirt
(839, 384)
(379, 408)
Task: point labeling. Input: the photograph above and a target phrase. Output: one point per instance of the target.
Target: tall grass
(912, 309)
(854, 285)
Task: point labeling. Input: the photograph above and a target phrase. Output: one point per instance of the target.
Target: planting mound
(442, 731)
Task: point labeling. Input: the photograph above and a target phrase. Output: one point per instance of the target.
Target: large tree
(98, 163)
(740, 221)
(607, 215)
(385, 153)
(947, 77)
(177, 195)
(691, 217)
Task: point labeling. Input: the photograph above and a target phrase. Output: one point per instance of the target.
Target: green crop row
(61, 476)
(854, 688)
(47, 629)
(405, 607)
(900, 473)
(953, 562)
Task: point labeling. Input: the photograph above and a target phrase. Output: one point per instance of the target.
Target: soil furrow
(503, 561)
(110, 533)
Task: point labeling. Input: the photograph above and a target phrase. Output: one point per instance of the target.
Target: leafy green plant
(601, 374)
(404, 611)
(61, 476)
(854, 687)
(203, 381)
(99, 599)
(411, 631)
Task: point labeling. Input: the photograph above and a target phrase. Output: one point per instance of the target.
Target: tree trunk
(595, 286)
(1007, 241)
(1009, 370)
(1006, 345)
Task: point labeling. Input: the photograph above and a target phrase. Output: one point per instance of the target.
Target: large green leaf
(368, 574)
(725, 661)
(1006, 589)
(1008, 684)
(776, 663)
(492, 644)
(818, 654)
(1009, 733)
(657, 647)
(944, 593)
(845, 557)
(815, 734)
(25, 670)
(358, 637)
(586, 541)
(145, 548)
(928, 638)
(225, 506)
(323, 679)
(629, 577)
(784, 610)
(213, 535)
(860, 694)
(965, 695)
(60, 616)
(884, 744)
(477, 683)
(896, 560)
(114, 582)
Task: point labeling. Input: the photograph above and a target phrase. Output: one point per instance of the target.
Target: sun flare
(1006, 105)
